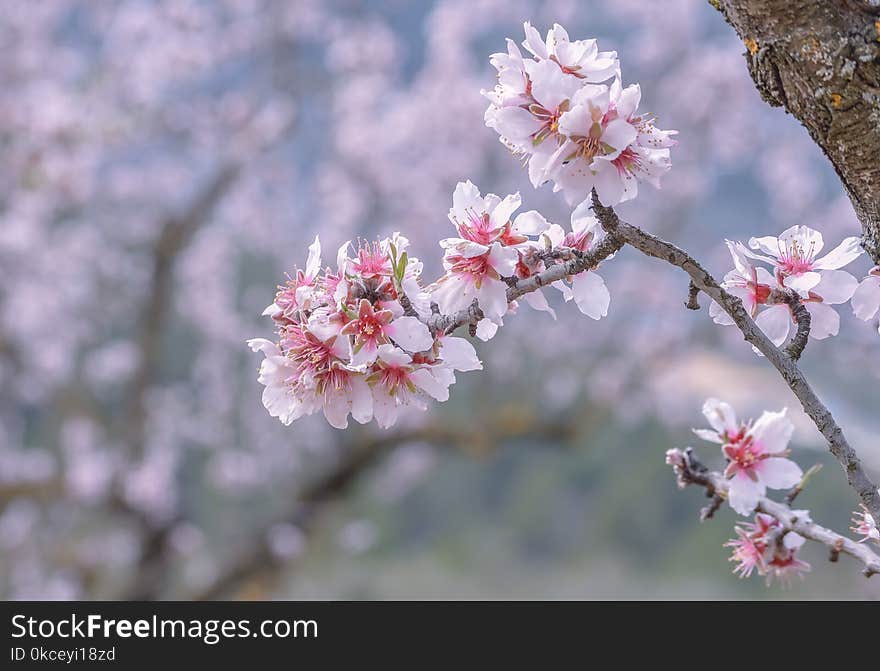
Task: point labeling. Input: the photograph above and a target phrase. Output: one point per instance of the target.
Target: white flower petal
(486, 329)
(744, 493)
(836, 286)
(824, 321)
(410, 334)
(459, 354)
(530, 223)
(866, 299)
(502, 212)
(775, 322)
(772, 431)
(590, 294)
(848, 250)
(538, 301)
(778, 473)
(803, 282)
(425, 381)
(313, 264)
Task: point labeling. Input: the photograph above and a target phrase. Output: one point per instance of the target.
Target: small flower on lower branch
(764, 546)
(865, 526)
(756, 453)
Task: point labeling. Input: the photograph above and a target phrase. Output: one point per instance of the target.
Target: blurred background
(165, 163)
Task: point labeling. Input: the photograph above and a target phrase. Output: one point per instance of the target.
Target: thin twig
(691, 472)
(651, 245)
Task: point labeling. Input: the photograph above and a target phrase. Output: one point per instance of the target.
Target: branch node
(693, 293)
(835, 550)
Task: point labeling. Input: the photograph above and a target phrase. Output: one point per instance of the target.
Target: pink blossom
(372, 328)
(346, 347)
(610, 147)
(793, 254)
(398, 381)
(484, 253)
(572, 129)
(298, 291)
(865, 526)
(819, 282)
(752, 285)
(755, 453)
(757, 461)
(764, 546)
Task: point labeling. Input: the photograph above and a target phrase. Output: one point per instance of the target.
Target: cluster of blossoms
(491, 248)
(566, 112)
(356, 340)
(756, 457)
(345, 345)
(764, 546)
(819, 282)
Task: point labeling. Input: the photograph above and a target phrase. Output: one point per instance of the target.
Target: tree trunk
(820, 60)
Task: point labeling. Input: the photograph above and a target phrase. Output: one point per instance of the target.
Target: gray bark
(820, 60)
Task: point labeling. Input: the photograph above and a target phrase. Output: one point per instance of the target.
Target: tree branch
(651, 245)
(258, 563)
(521, 286)
(692, 472)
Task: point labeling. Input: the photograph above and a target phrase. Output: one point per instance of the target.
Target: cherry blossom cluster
(359, 339)
(566, 112)
(795, 265)
(345, 345)
(755, 454)
(492, 247)
(764, 546)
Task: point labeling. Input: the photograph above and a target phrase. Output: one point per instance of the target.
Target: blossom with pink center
(785, 564)
(487, 219)
(757, 461)
(554, 111)
(764, 546)
(298, 292)
(399, 382)
(372, 328)
(793, 255)
(866, 298)
(533, 126)
(755, 452)
(750, 545)
(752, 285)
(308, 377)
(865, 526)
(372, 261)
(485, 252)
(474, 272)
(608, 147)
